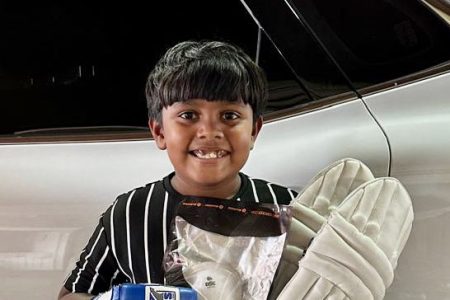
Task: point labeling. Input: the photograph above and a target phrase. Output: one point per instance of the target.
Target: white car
(362, 79)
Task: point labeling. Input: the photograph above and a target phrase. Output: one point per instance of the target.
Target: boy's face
(208, 143)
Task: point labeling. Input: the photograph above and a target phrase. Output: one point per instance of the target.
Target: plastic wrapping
(226, 249)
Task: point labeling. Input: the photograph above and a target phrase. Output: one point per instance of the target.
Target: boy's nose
(210, 129)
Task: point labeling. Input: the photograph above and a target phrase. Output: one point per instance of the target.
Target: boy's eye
(187, 115)
(230, 115)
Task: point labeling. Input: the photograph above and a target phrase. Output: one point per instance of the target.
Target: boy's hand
(65, 294)
(105, 296)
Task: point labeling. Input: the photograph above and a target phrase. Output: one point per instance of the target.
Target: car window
(375, 41)
(442, 8)
(76, 64)
(313, 68)
(285, 90)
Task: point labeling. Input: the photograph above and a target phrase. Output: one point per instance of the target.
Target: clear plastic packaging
(226, 249)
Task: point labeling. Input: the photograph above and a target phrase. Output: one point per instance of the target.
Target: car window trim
(310, 107)
(349, 96)
(82, 137)
(405, 80)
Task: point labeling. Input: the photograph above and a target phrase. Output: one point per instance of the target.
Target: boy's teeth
(209, 155)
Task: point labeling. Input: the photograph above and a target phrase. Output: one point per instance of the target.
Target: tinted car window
(314, 69)
(285, 90)
(376, 41)
(73, 64)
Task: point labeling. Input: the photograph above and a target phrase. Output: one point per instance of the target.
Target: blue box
(152, 292)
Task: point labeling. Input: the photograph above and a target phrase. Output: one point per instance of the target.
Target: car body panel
(416, 118)
(292, 150)
(51, 198)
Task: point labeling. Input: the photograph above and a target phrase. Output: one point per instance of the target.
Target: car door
(416, 117)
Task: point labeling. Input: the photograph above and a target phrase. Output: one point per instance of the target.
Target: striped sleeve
(267, 192)
(128, 244)
(96, 269)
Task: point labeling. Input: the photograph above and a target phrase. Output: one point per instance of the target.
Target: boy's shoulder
(142, 191)
(264, 181)
(136, 200)
(261, 190)
(260, 182)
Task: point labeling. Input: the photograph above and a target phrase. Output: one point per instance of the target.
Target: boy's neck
(222, 191)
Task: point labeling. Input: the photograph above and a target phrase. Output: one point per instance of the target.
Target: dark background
(65, 64)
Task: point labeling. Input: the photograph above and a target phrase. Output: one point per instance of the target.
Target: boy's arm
(95, 265)
(65, 294)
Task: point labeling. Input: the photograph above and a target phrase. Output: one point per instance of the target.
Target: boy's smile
(209, 154)
(208, 142)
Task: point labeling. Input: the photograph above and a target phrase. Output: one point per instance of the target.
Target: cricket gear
(354, 254)
(247, 260)
(214, 281)
(311, 209)
(226, 249)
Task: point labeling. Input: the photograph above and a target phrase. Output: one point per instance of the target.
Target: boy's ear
(256, 128)
(158, 133)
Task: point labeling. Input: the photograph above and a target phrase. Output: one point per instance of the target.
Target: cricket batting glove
(311, 209)
(354, 254)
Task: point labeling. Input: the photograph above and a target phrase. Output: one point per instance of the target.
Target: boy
(205, 103)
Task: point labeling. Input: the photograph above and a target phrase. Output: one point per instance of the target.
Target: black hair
(210, 70)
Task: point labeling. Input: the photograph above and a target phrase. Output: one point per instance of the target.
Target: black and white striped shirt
(129, 242)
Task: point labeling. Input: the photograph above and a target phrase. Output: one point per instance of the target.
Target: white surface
(293, 150)
(417, 121)
(51, 196)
